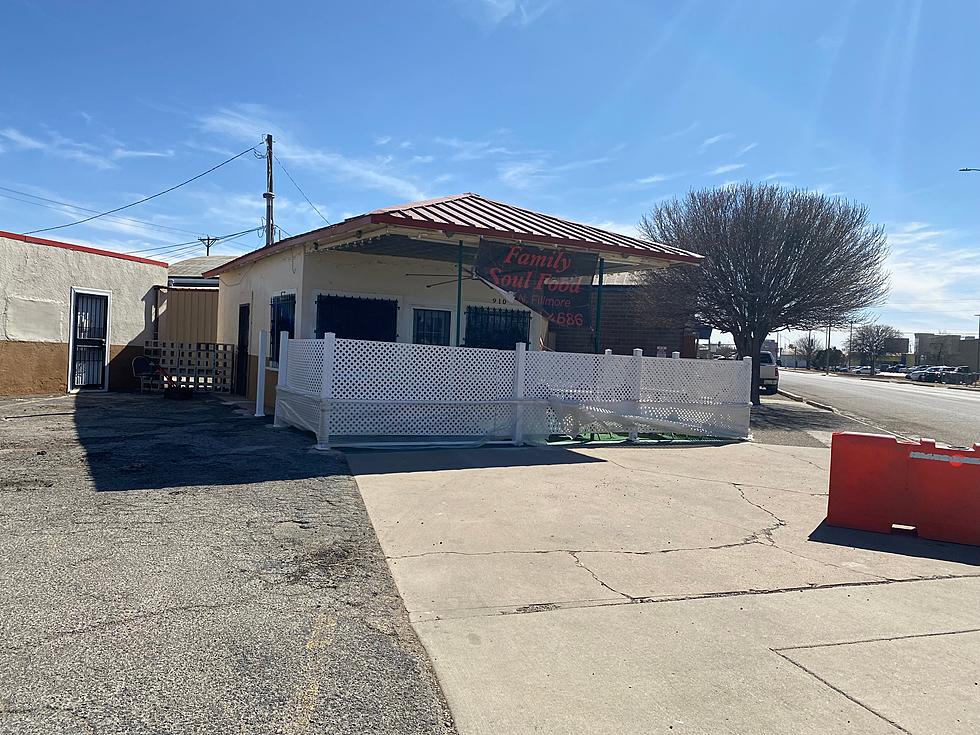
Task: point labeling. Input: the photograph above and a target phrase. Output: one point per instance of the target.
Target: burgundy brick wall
(625, 326)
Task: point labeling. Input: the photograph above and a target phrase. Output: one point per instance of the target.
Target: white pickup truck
(768, 373)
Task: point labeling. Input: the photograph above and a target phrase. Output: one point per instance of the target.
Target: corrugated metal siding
(188, 315)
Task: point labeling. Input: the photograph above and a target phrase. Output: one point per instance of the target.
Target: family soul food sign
(554, 283)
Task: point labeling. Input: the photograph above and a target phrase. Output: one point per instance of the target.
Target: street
(951, 416)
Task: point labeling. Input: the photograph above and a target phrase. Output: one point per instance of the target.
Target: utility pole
(850, 341)
(827, 354)
(208, 242)
(270, 231)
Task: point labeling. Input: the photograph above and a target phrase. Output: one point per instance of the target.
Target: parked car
(768, 373)
(928, 375)
(961, 375)
(862, 370)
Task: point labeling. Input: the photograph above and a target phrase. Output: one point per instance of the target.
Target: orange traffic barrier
(880, 483)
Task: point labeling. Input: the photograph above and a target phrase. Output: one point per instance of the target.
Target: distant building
(946, 349)
(896, 345)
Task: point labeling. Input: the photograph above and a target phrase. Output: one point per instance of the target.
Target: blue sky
(591, 110)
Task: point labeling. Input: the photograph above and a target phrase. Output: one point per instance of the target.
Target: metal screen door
(89, 332)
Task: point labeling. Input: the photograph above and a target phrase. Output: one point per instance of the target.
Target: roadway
(943, 414)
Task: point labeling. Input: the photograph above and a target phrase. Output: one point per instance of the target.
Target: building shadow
(896, 544)
(790, 417)
(396, 461)
(146, 442)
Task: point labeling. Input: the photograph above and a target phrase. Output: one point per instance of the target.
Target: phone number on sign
(567, 319)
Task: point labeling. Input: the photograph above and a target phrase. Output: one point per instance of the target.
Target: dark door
(431, 326)
(241, 349)
(89, 332)
(350, 317)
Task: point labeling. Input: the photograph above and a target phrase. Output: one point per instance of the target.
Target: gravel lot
(180, 567)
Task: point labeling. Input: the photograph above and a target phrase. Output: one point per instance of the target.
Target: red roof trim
(79, 248)
(530, 237)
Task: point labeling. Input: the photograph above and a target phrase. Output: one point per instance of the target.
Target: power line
(84, 209)
(145, 199)
(300, 190)
(180, 245)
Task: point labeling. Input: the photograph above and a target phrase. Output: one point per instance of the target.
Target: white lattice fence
(354, 391)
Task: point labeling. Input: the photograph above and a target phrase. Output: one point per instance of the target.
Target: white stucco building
(71, 317)
(408, 274)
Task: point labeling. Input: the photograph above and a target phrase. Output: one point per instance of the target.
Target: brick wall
(625, 326)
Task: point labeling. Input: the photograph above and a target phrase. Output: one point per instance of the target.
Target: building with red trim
(411, 273)
(72, 317)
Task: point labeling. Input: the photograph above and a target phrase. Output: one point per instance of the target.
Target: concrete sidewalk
(675, 590)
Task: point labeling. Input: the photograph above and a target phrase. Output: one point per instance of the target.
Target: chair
(146, 370)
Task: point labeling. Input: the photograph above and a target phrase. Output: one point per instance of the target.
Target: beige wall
(351, 274)
(256, 284)
(187, 315)
(36, 283)
(308, 275)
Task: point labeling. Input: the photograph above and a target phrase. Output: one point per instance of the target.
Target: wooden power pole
(270, 231)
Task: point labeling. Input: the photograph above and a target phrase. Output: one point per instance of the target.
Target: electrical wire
(300, 190)
(144, 199)
(84, 209)
(195, 243)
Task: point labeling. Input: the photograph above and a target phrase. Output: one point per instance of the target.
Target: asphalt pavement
(944, 414)
(182, 567)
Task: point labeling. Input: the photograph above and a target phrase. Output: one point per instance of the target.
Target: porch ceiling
(403, 246)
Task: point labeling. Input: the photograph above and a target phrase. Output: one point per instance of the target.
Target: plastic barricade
(878, 483)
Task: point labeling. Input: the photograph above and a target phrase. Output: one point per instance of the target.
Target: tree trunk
(751, 346)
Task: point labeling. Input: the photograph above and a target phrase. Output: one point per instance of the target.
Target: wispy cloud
(246, 123)
(54, 144)
(524, 174)
(682, 132)
(521, 13)
(778, 175)
(120, 153)
(472, 150)
(714, 140)
(726, 169)
(745, 149)
(382, 140)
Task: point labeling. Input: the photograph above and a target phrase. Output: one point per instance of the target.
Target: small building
(947, 349)
(460, 270)
(186, 308)
(72, 317)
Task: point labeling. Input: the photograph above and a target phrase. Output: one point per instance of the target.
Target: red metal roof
(79, 248)
(472, 214)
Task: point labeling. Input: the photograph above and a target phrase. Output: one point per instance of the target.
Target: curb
(807, 401)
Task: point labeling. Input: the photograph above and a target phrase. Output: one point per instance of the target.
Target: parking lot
(181, 567)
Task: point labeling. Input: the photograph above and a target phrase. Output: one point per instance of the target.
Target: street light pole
(978, 342)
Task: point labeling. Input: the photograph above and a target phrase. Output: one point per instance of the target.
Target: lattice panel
(570, 376)
(387, 371)
(474, 420)
(208, 366)
(304, 365)
(692, 419)
(708, 382)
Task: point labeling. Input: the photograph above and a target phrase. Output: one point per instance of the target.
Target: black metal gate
(351, 317)
(499, 329)
(89, 332)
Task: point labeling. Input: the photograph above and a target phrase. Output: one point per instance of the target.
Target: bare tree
(871, 341)
(774, 259)
(808, 347)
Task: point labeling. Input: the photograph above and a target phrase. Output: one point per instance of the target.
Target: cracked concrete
(623, 589)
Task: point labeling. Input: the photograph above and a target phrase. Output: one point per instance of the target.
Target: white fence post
(520, 357)
(260, 378)
(283, 373)
(638, 359)
(676, 355)
(608, 352)
(326, 390)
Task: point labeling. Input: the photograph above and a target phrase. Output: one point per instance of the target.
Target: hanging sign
(555, 283)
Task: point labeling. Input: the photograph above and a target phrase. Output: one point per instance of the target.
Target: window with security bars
(354, 317)
(283, 319)
(498, 329)
(431, 327)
